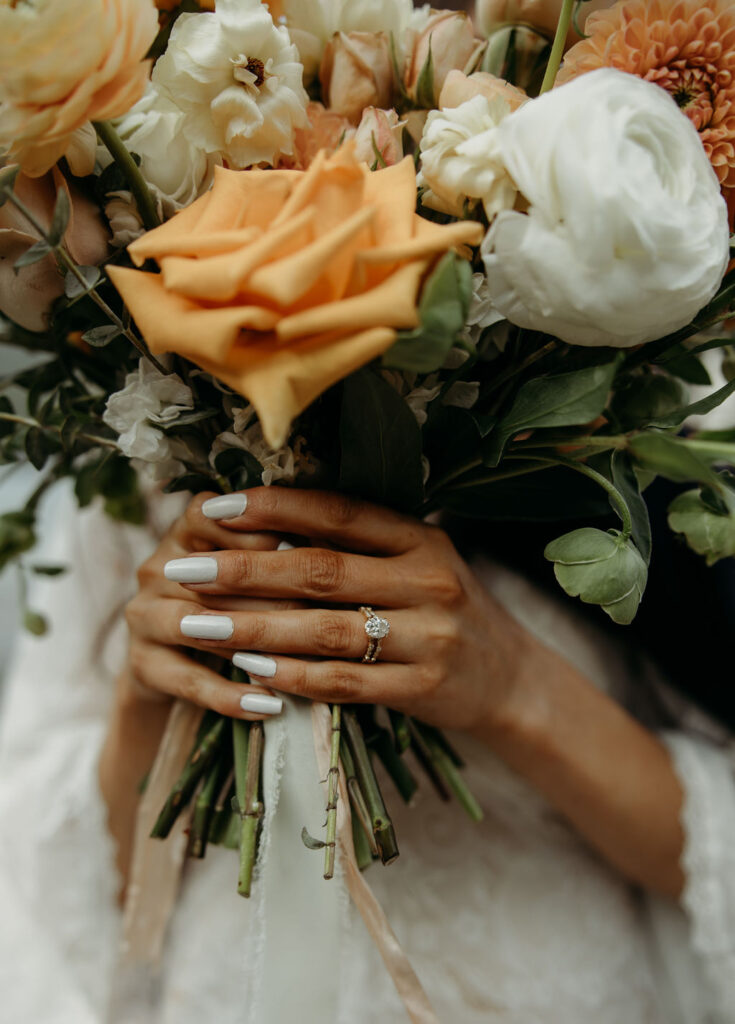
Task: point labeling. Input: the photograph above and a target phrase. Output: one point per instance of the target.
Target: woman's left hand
(451, 653)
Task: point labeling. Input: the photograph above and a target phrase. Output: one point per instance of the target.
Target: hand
(157, 669)
(452, 651)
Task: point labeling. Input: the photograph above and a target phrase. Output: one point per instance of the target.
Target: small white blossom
(460, 158)
(416, 398)
(284, 464)
(462, 393)
(482, 313)
(148, 398)
(237, 79)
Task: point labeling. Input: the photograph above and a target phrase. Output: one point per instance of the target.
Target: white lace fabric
(511, 920)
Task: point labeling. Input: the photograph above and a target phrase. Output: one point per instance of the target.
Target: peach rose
(283, 282)
(326, 130)
(450, 38)
(379, 132)
(26, 297)
(356, 72)
(541, 15)
(459, 87)
(67, 62)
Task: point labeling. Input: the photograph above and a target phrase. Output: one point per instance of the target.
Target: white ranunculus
(460, 158)
(176, 170)
(148, 398)
(238, 81)
(626, 236)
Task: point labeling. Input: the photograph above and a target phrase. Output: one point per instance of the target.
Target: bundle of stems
(223, 773)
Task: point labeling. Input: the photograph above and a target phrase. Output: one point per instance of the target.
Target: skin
(454, 658)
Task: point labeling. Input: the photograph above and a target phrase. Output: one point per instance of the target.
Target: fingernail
(255, 664)
(226, 506)
(261, 703)
(207, 627)
(191, 570)
(285, 546)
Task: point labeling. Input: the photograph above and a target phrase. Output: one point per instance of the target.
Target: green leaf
(36, 447)
(704, 405)
(60, 218)
(7, 181)
(16, 535)
(600, 568)
(194, 482)
(670, 457)
(380, 443)
(35, 623)
(73, 287)
(708, 532)
(689, 368)
(645, 398)
(310, 842)
(443, 307)
(35, 254)
(625, 479)
(238, 462)
(562, 400)
(6, 406)
(98, 337)
(424, 98)
(49, 570)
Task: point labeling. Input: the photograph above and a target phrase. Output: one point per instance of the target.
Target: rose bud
(446, 42)
(356, 72)
(379, 137)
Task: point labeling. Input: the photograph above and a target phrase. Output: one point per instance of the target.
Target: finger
(394, 686)
(353, 524)
(166, 670)
(315, 632)
(315, 574)
(194, 532)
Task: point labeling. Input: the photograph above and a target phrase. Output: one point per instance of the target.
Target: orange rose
(283, 282)
(326, 130)
(67, 62)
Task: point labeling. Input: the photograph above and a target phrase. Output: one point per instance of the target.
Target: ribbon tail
(398, 965)
(154, 877)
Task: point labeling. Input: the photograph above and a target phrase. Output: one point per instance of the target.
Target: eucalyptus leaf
(60, 217)
(443, 307)
(380, 443)
(73, 287)
(708, 532)
(600, 568)
(98, 337)
(34, 254)
(16, 535)
(310, 842)
(37, 448)
(561, 400)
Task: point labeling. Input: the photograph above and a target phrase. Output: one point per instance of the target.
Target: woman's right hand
(158, 672)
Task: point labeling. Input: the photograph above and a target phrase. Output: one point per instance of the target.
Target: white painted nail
(255, 664)
(207, 627)
(225, 506)
(285, 546)
(261, 704)
(191, 570)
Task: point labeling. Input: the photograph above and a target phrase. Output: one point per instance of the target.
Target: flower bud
(379, 137)
(356, 72)
(459, 87)
(447, 41)
(541, 15)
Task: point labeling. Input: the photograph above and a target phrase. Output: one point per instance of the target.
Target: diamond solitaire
(376, 629)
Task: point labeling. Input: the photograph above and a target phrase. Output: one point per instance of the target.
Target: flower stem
(121, 155)
(382, 826)
(557, 50)
(332, 792)
(357, 800)
(199, 761)
(247, 740)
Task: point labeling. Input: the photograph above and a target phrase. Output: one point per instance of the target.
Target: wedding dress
(513, 920)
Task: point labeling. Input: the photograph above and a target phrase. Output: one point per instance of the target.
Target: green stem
(105, 442)
(332, 792)
(382, 826)
(203, 807)
(513, 371)
(357, 800)
(251, 809)
(120, 154)
(557, 49)
(450, 773)
(198, 763)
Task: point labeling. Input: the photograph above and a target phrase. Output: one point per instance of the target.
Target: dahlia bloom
(685, 46)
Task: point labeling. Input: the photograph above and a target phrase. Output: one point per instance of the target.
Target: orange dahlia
(685, 46)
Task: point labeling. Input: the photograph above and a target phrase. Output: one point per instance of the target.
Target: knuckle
(332, 635)
(341, 682)
(444, 586)
(430, 678)
(445, 635)
(133, 613)
(147, 573)
(257, 632)
(322, 571)
(339, 510)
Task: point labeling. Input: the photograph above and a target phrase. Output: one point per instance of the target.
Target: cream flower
(237, 80)
(176, 171)
(379, 137)
(64, 63)
(460, 158)
(626, 237)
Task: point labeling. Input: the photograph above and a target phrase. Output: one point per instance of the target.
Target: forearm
(133, 736)
(611, 778)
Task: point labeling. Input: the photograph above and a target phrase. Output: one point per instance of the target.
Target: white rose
(460, 158)
(626, 237)
(149, 397)
(238, 81)
(177, 171)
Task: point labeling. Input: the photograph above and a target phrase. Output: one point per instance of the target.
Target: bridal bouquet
(326, 244)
